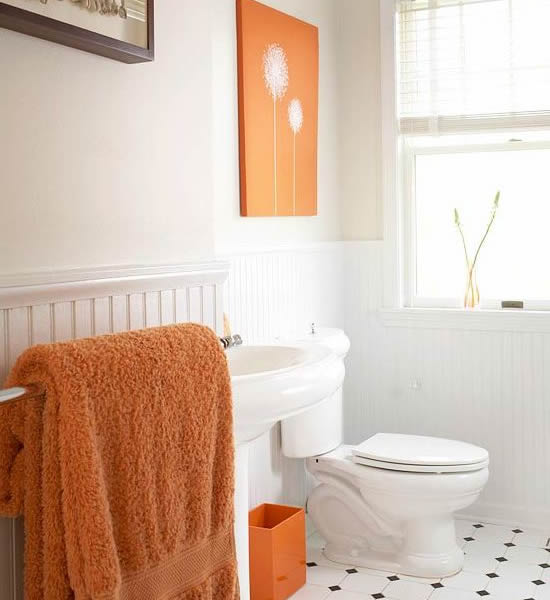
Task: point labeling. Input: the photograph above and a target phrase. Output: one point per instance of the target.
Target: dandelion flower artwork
(295, 120)
(276, 81)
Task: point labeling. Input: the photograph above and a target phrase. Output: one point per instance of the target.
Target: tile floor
(501, 563)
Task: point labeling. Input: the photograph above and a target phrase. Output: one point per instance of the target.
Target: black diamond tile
(378, 596)
(311, 564)
(501, 559)
(544, 565)
(351, 571)
(517, 530)
(437, 585)
(393, 578)
(547, 549)
(334, 588)
(492, 575)
(538, 582)
(509, 545)
(469, 539)
(478, 525)
(483, 593)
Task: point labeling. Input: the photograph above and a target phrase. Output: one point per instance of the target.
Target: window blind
(473, 64)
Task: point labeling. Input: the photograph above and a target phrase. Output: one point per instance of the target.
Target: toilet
(387, 503)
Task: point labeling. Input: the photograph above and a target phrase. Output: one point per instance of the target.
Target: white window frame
(396, 309)
(410, 151)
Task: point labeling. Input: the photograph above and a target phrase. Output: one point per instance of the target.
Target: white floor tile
(542, 592)
(483, 548)
(469, 582)
(504, 589)
(347, 595)
(535, 539)
(408, 590)
(517, 571)
(364, 583)
(480, 564)
(451, 594)
(528, 555)
(493, 533)
(311, 592)
(325, 576)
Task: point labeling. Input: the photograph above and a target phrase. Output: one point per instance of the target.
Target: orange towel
(121, 461)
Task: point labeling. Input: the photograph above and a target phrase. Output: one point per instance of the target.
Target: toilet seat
(420, 454)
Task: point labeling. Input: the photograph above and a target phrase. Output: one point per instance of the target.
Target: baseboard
(505, 514)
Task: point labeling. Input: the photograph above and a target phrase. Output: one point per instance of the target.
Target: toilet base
(428, 549)
(429, 566)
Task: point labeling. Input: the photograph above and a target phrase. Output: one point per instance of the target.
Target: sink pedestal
(241, 517)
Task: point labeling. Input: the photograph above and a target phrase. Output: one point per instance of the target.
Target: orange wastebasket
(277, 536)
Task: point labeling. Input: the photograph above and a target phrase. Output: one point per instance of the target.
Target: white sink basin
(271, 383)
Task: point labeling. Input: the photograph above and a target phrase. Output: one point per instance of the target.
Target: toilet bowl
(390, 517)
(389, 502)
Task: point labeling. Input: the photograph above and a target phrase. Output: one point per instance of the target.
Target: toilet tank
(319, 429)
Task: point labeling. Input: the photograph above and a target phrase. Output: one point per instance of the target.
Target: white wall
(105, 163)
(234, 233)
(358, 52)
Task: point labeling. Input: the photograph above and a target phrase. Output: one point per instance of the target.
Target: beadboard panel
(484, 386)
(69, 305)
(275, 296)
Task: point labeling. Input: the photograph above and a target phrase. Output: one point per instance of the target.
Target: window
(474, 114)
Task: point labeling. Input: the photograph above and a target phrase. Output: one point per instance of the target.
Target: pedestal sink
(272, 383)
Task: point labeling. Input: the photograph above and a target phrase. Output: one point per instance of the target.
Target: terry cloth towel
(121, 460)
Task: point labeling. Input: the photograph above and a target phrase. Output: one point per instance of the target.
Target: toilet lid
(380, 464)
(394, 450)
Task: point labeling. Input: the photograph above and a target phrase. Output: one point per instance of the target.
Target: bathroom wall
(103, 163)
(358, 63)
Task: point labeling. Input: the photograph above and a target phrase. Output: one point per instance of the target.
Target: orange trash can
(277, 537)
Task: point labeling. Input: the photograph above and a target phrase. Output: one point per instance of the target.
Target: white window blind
(473, 64)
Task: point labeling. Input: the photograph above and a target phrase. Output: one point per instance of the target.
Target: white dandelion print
(276, 82)
(295, 120)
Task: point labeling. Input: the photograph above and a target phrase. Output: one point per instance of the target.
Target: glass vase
(471, 297)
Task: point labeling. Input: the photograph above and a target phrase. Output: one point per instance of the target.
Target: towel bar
(17, 393)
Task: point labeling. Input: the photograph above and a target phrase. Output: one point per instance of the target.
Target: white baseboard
(505, 514)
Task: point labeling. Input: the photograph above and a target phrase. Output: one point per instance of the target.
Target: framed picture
(278, 69)
(119, 29)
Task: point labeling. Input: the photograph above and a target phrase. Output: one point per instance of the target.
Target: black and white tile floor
(501, 563)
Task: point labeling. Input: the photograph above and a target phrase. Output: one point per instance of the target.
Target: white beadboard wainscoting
(73, 304)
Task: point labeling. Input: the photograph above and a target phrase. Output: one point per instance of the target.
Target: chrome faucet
(229, 341)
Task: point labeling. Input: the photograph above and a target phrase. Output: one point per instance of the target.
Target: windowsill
(467, 319)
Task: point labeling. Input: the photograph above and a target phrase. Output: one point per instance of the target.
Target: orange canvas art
(278, 61)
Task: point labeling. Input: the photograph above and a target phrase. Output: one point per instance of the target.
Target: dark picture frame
(30, 23)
